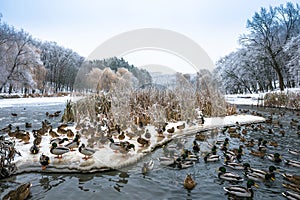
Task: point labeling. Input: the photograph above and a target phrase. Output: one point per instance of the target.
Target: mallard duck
(44, 160)
(143, 141)
(262, 173)
(294, 152)
(292, 163)
(171, 130)
(250, 143)
(21, 193)
(70, 133)
(147, 134)
(37, 139)
(74, 144)
(258, 178)
(59, 141)
(273, 143)
(34, 149)
(28, 125)
(167, 161)
(181, 127)
(121, 136)
(148, 166)
(196, 146)
(52, 133)
(258, 153)
(183, 164)
(114, 146)
(189, 182)
(234, 165)
(292, 178)
(275, 157)
(59, 151)
(241, 191)
(231, 130)
(87, 152)
(292, 186)
(130, 135)
(200, 136)
(228, 176)
(14, 114)
(211, 158)
(291, 195)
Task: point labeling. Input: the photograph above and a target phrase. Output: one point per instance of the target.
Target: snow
(105, 158)
(253, 99)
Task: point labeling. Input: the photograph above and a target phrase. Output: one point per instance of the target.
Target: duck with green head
(240, 191)
(228, 176)
(59, 151)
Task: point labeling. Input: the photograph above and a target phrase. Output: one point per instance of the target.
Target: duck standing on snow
(87, 152)
(240, 191)
(59, 151)
(74, 144)
(189, 182)
(44, 160)
(34, 149)
(143, 141)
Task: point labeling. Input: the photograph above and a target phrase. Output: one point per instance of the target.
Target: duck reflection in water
(123, 179)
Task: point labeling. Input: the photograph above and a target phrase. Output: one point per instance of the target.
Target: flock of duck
(64, 140)
(233, 158)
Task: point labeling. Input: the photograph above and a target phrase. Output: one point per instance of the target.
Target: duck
(273, 143)
(147, 166)
(28, 125)
(292, 178)
(87, 152)
(292, 163)
(250, 143)
(21, 193)
(200, 136)
(130, 135)
(240, 191)
(234, 165)
(294, 152)
(52, 133)
(259, 178)
(181, 127)
(74, 144)
(70, 133)
(144, 142)
(59, 141)
(147, 134)
(211, 158)
(121, 136)
(59, 151)
(167, 161)
(114, 146)
(276, 157)
(258, 153)
(189, 182)
(126, 147)
(291, 195)
(34, 149)
(228, 176)
(171, 130)
(183, 164)
(37, 139)
(196, 147)
(262, 173)
(45, 161)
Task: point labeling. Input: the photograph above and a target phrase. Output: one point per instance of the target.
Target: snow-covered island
(105, 158)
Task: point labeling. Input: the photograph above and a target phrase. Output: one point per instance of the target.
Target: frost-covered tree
(270, 30)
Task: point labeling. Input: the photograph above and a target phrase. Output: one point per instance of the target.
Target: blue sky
(83, 25)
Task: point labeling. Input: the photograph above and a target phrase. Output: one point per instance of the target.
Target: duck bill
(257, 186)
(273, 179)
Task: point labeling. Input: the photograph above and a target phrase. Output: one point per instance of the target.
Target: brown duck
(143, 141)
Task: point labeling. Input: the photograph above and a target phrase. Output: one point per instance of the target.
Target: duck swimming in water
(229, 176)
(189, 182)
(240, 191)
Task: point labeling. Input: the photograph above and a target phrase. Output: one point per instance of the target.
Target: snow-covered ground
(253, 99)
(105, 158)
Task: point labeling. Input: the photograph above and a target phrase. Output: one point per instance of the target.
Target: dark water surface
(162, 182)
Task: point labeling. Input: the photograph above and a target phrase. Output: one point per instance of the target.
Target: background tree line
(269, 56)
(29, 65)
